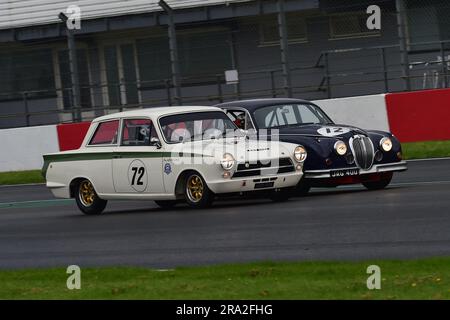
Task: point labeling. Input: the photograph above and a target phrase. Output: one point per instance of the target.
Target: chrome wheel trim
(86, 193)
(194, 188)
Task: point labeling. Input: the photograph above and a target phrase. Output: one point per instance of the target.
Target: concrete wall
(419, 116)
(22, 148)
(366, 112)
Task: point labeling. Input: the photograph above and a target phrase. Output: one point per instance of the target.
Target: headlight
(227, 162)
(340, 147)
(300, 154)
(386, 144)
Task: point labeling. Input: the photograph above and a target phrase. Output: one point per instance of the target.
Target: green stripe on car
(48, 159)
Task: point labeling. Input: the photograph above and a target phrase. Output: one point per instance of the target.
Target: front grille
(285, 165)
(363, 151)
(282, 162)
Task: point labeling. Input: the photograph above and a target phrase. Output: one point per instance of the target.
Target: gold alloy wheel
(87, 193)
(194, 188)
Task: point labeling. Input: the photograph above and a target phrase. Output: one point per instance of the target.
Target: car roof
(253, 104)
(156, 112)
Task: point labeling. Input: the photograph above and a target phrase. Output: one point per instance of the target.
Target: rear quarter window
(106, 133)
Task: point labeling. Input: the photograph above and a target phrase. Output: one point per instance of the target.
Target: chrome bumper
(248, 184)
(323, 174)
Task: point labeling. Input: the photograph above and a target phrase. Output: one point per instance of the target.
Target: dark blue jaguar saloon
(337, 154)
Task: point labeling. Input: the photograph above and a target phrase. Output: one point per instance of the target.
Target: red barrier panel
(71, 135)
(420, 115)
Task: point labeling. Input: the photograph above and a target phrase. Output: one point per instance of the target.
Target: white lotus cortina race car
(167, 155)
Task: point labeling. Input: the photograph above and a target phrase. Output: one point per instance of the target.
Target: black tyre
(166, 204)
(380, 184)
(196, 191)
(281, 195)
(87, 199)
(303, 188)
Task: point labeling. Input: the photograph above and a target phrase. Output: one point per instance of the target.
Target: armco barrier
(22, 148)
(366, 112)
(71, 135)
(420, 115)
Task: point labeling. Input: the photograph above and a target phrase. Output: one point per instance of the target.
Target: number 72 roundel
(137, 176)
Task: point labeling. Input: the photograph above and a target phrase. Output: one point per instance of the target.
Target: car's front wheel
(87, 199)
(196, 191)
(382, 183)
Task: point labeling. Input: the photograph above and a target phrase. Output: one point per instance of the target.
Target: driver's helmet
(240, 121)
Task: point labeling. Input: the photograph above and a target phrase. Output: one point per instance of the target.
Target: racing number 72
(137, 171)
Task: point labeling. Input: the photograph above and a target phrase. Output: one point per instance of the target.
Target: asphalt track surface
(410, 219)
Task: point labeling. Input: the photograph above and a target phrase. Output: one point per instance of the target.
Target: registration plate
(264, 185)
(344, 173)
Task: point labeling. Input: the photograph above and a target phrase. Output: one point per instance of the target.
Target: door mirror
(155, 142)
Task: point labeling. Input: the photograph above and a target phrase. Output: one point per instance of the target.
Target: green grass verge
(419, 279)
(21, 177)
(428, 149)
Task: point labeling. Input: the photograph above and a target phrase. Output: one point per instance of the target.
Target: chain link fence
(332, 54)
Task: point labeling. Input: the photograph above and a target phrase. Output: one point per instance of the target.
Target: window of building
(202, 56)
(29, 72)
(138, 132)
(112, 75)
(129, 73)
(426, 23)
(296, 29)
(350, 25)
(66, 78)
(106, 133)
(120, 65)
(154, 61)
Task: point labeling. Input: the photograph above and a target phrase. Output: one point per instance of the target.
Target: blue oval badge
(167, 168)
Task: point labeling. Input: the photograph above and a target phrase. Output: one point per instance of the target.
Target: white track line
(420, 183)
(416, 183)
(22, 185)
(429, 159)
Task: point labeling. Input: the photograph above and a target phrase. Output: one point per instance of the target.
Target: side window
(307, 115)
(138, 132)
(286, 115)
(106, 133)
(271, 119)
(281, 116)
(240, 118)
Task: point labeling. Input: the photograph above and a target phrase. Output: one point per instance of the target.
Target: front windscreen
(196, 126)
(289, 115)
